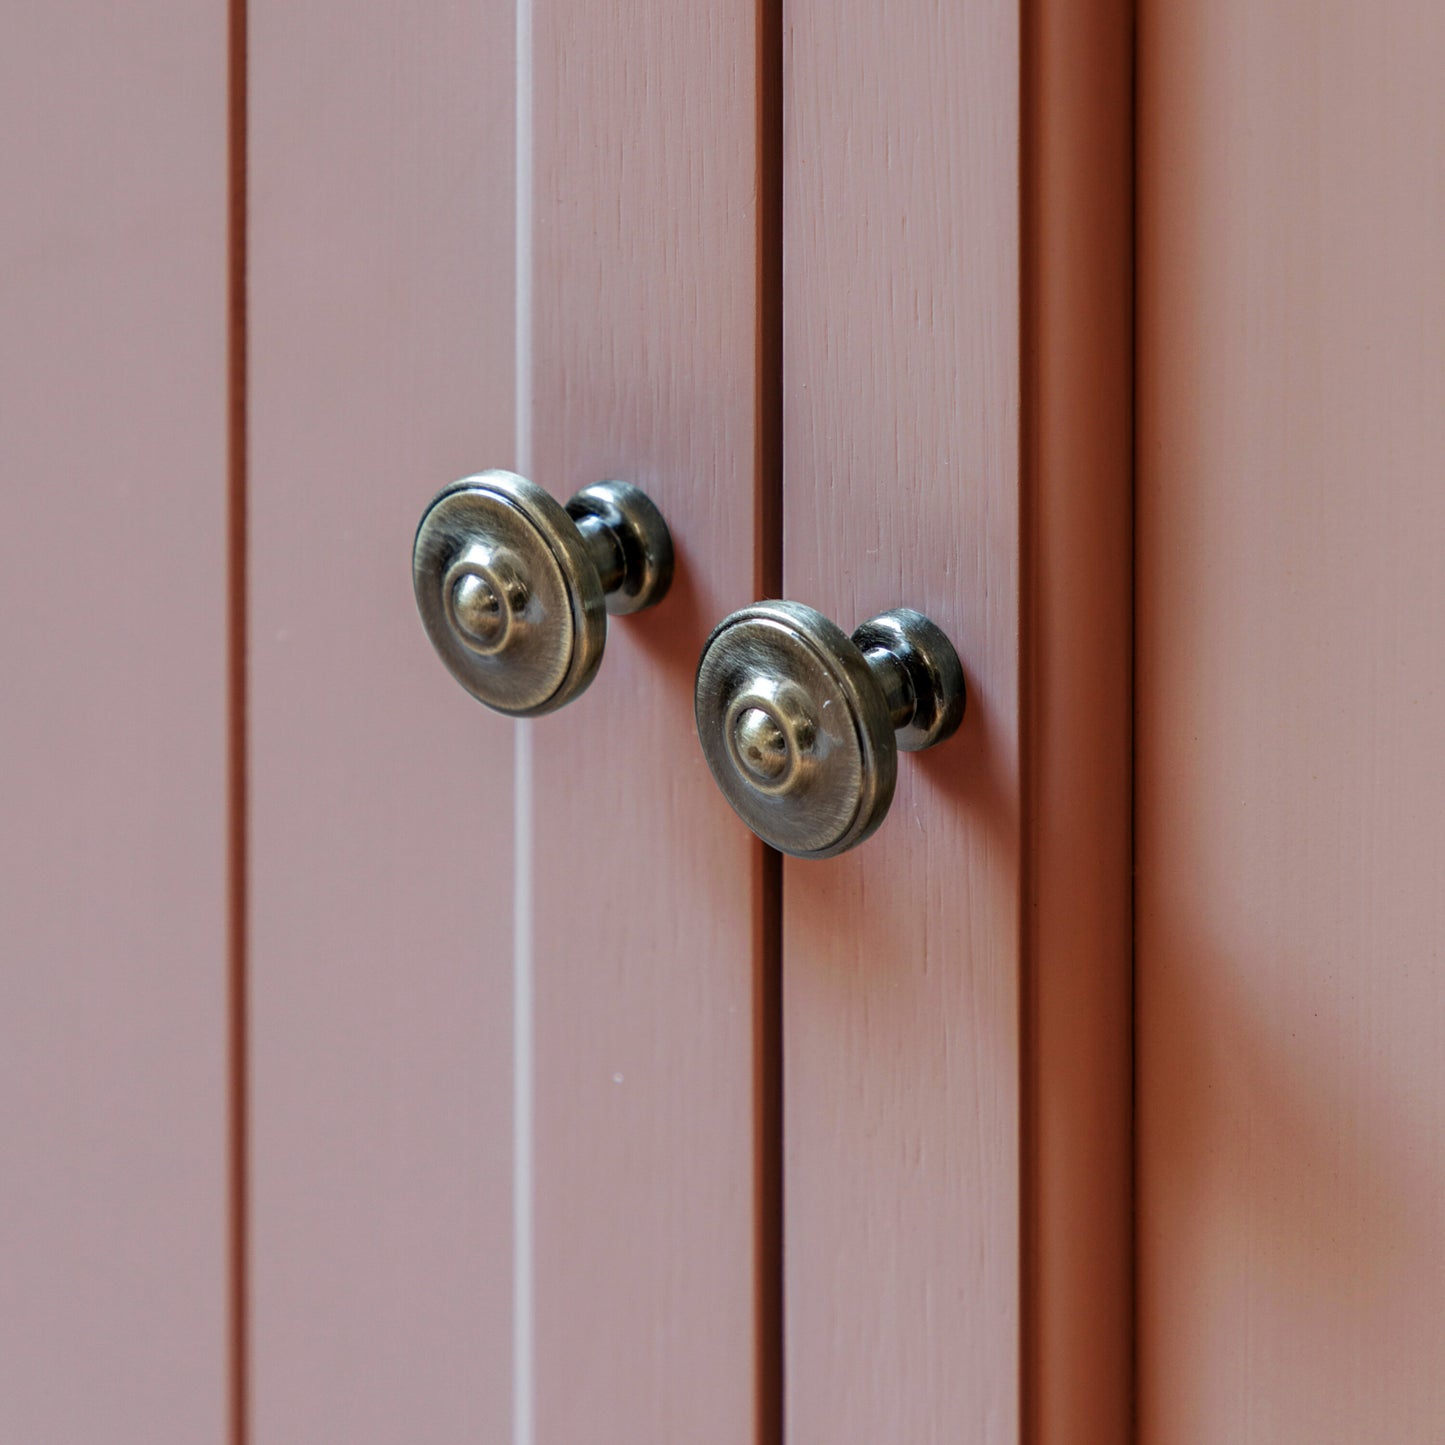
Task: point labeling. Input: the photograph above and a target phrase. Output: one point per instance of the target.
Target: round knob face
(507, 593)
(795, 729)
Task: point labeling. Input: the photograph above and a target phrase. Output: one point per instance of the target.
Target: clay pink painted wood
(901, 487)
(1078, 437)
(113, 724)
(647, 952)
(957, 1179)
(381, 362)
(1291, 848)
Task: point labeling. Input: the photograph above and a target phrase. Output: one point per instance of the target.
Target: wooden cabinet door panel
(504, 977)
(462, 1090)
(639, 359)
(115, 821)
(1291, 610)
(956, 437)
(379, 321)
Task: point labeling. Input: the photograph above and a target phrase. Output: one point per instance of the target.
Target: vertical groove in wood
(236, 804)
(1030, 205)
(1077, 630)
(768, 1086)
(768, 467)
(768, 582)
(524, 770)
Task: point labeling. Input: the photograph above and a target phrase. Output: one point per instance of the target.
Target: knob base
(795, 730)
(931, 667)
(641, 561)
(508, 594)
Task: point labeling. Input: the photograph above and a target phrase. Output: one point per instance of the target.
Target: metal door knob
(801, 724)
(513, 588)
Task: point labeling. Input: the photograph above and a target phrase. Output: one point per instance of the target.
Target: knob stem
(918, 671)
(891, 674)
(604, 547)
(628, 543)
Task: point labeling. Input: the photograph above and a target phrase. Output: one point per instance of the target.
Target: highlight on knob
(514, 588)
(801, 724)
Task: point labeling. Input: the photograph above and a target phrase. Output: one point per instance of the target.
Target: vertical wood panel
(901, 487)
(1291, 706)
(381, 158)
(113, 834)
(956, 1018)
(646, 930)
(1078, 438)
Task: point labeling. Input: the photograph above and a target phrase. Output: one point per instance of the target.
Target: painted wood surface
(381, 366)
(1078, 436)
(1291, 705)
(901, 297)
(383, 358)
(956, 993)
(114, 1234)
(647, 953)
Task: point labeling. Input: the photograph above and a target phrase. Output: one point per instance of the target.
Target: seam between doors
(237, 733)
(768, 582)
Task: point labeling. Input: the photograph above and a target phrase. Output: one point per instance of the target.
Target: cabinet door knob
(801, 724)
(513, 588)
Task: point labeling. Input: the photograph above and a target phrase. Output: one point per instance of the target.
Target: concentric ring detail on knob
(507, 593)
(485, 598)
(794, 729)
(761, 746)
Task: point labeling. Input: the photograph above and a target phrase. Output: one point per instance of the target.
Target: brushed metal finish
(514, 589)
(801, 724)
(628, 519)
(933, 694)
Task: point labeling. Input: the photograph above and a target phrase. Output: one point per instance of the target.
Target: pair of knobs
(800, 723)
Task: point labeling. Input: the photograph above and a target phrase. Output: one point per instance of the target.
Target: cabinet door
(379, 1229)
(503, 978)
(115, 821)
(647, 920)
(1291, 850)
(956, 439)
(383, 1069)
